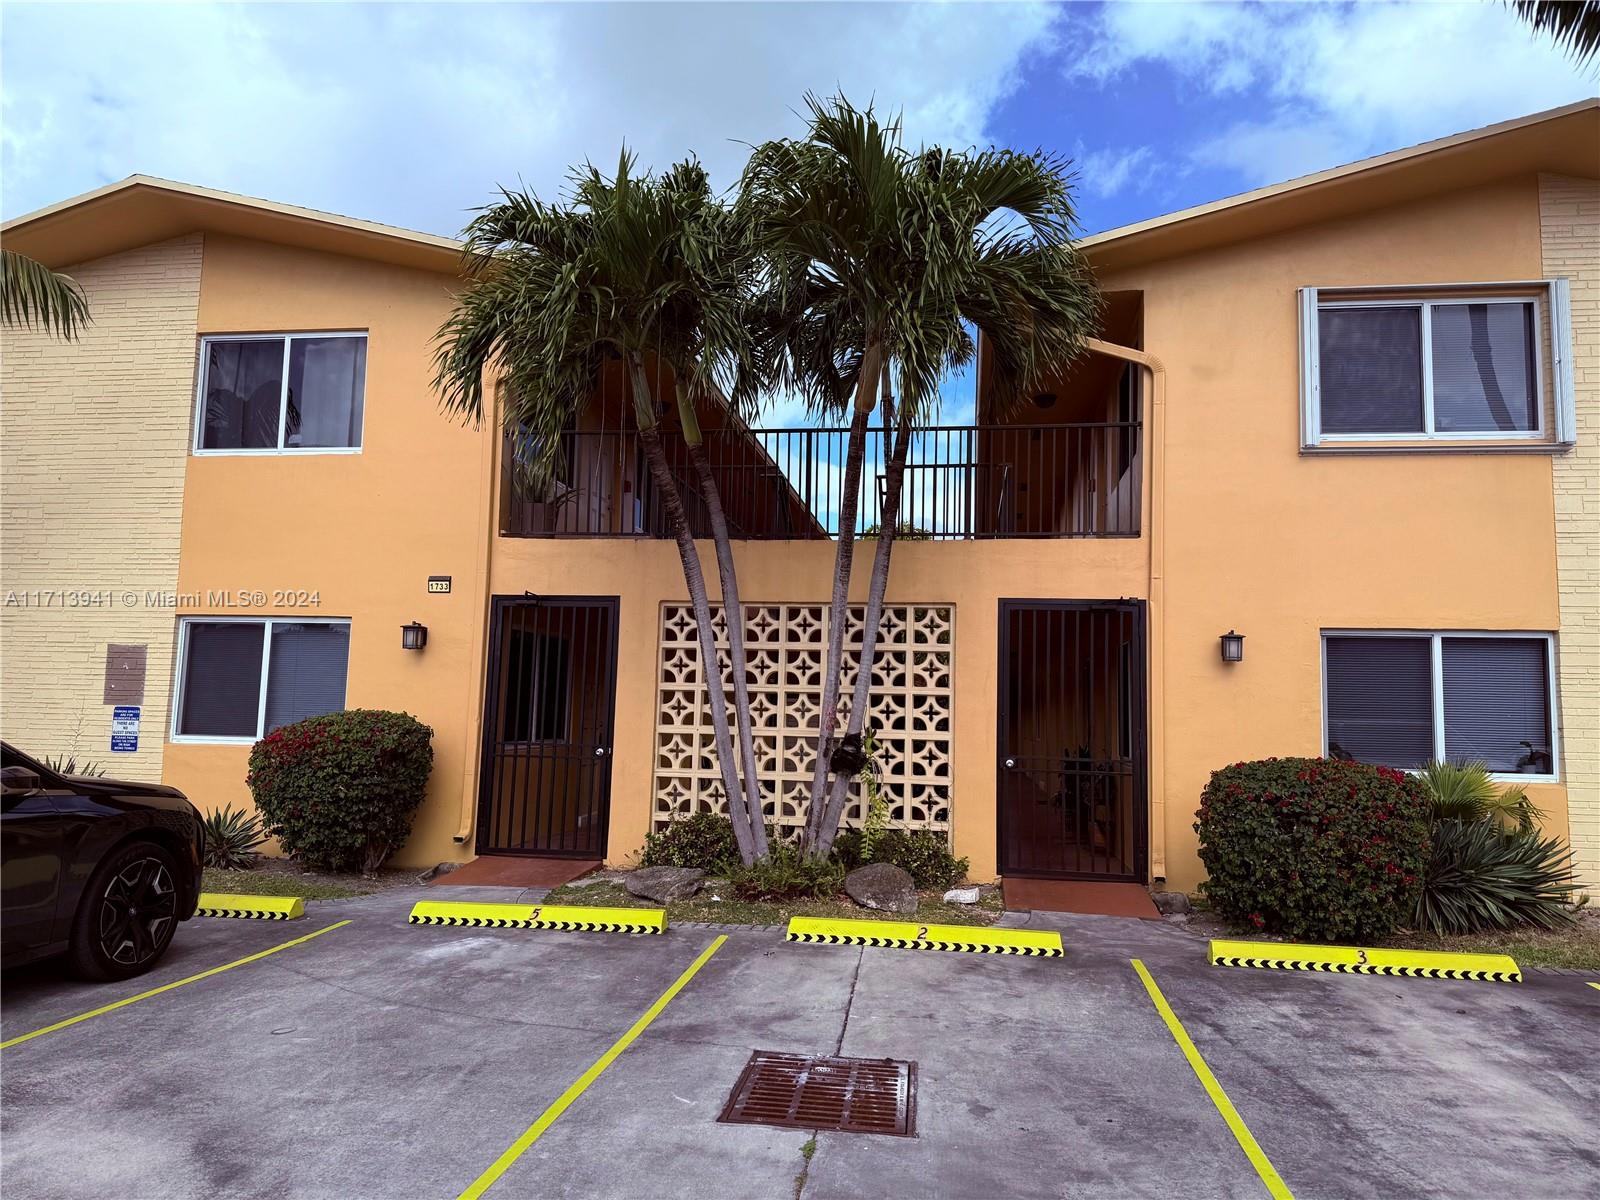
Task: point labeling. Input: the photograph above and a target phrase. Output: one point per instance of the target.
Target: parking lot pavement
(382, 1060)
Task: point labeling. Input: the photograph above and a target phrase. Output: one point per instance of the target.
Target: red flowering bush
(338, 791)
(1314, 848)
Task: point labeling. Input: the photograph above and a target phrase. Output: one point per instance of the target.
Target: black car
(99, 869)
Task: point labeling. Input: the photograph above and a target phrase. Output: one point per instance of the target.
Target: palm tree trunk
(733, 617)
(844, 555)
(860, 700)
(678, 520)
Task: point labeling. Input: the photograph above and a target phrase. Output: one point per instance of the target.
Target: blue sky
(410, 114)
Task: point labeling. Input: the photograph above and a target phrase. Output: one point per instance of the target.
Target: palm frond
(1574, 25)
(864, 242)
(32, 296)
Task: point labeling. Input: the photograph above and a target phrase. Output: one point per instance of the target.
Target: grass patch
(276, 883)
(1576, 947)
(931, 908)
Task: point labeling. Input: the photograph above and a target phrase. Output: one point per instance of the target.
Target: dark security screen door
(545, 786)
(1071, 774)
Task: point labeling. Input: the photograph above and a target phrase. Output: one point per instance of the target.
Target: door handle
(1010, 763)
(599, 751)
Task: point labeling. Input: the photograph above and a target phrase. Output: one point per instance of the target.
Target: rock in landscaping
(1171, 904)
(966, 895)
(665, 885)
(882, 886)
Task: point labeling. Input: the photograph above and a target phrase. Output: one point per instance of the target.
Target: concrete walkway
(382, 1060)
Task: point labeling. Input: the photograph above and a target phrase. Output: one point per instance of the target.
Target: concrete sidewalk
(383, 1060)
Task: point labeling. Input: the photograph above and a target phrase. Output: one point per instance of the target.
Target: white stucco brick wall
(1569, 213)
(93, 447)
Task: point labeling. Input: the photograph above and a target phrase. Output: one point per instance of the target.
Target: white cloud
(411, 113)
(1112, 170)
(1338, 81)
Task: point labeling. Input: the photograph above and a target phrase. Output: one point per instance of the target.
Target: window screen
(1497, 703)
(327, 385)
(1370, 367)
(307, 671)
(1483, 368)
(1380, 700)
(221, 679)
(243, 394)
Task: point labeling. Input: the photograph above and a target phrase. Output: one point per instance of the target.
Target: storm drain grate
(844, 1095)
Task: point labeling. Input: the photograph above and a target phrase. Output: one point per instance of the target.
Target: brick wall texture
(1569, 211)
(93, 444)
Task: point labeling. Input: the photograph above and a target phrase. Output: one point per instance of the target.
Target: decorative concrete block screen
(786, 645)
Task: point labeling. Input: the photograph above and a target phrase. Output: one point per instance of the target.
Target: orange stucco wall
(1256, 536)
(364, 531)
(1278, 545)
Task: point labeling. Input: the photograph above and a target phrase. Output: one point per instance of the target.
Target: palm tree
(32, 296)
(881, 261)
(1573, 24)
(651, 274)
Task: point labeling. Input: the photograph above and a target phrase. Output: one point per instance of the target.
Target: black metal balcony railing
(982, 481)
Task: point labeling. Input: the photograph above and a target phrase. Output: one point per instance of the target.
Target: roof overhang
(140, 210)
(1561, 141)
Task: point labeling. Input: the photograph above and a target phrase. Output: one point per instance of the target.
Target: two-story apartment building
(1353, 418)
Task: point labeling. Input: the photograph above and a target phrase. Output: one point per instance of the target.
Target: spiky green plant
(68, 764)
(1467, 791)
(231, 839)
(1479, 876)
(32, 296)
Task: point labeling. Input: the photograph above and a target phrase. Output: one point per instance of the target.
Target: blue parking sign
(125, 729)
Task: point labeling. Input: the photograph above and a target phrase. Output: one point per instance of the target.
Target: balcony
(961, 483)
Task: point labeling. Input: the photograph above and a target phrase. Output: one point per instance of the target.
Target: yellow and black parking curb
(259, 908)
(1358, 960)
(539, 916)
(905, 935)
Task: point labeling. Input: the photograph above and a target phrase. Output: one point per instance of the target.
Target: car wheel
(128, 913)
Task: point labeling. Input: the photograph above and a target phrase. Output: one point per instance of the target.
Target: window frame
(196, 441)
(1551, 300)
(1436, 689)
(180, 673)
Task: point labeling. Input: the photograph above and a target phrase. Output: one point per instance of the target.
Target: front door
(1071, 740)
(545, 784)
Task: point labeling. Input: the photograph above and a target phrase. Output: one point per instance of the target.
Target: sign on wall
(125, 729)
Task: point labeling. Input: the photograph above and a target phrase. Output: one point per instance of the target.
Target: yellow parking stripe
(563, 1102)
(167, 987)
(1596, 986)
(1241, 1132)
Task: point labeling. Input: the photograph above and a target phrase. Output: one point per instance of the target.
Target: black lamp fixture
(413, 636)
(1232, 647)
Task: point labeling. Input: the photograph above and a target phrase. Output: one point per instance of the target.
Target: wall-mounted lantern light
(413, 636)
(1232, 646)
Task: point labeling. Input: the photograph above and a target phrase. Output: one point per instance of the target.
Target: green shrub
(704, 840)
(1479, 876)
(785, 875)
(231, 839)
(1314, 848)
(921, 853)
(338, 791)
